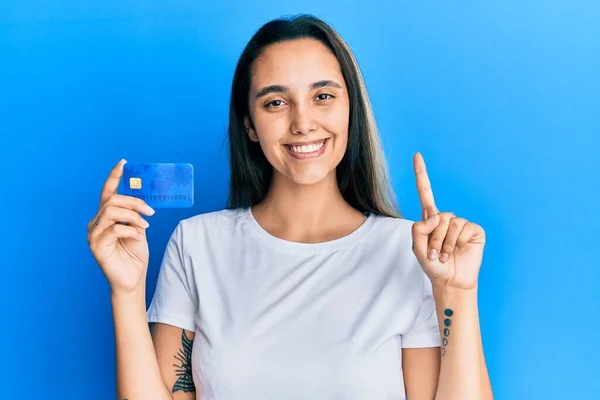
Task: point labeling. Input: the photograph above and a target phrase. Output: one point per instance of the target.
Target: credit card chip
(135, 183)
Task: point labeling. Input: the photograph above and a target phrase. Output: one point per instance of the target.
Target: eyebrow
(282, 89)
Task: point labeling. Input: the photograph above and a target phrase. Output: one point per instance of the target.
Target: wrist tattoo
(185, 380)
(447, 322)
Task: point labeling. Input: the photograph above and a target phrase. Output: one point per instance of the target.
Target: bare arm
(459, 366)
(463, 368)
(421, 367)
(117, 239)
(138, 372)
(174, 353)
(450, 252)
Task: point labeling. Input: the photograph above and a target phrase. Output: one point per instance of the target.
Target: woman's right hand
(121, 250)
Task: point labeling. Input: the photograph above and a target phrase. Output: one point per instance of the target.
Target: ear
(250, 129)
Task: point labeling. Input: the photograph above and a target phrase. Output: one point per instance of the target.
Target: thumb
(420, 233)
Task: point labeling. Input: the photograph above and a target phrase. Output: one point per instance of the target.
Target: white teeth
(307, 148)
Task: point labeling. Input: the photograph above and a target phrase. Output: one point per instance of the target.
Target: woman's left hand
(449, 248)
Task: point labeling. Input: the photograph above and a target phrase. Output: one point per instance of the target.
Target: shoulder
(218, 218)
(390, 252)
(392, 239)
(389, 241)
(391, 229)
(209, 224)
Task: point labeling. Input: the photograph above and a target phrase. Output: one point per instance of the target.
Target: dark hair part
(362, 174)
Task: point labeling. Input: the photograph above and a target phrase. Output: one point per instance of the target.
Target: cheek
(266, 129)
(336, 121)
(269, 133)
(270, 136)
(270, 125)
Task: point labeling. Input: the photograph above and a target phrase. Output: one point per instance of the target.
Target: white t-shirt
(276, 319)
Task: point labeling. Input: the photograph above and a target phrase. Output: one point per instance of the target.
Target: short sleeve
(175, 299)
(425, 329)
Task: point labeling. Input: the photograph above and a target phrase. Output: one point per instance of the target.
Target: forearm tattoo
(447, 322)
(184, 381)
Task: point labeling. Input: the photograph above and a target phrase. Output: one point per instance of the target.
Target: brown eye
(320, 97)
(274, 103)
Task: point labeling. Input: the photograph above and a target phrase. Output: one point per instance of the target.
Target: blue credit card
(160, 185)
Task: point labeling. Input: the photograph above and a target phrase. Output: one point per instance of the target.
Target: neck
(306, 213)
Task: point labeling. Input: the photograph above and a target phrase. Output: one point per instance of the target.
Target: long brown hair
(362, 174)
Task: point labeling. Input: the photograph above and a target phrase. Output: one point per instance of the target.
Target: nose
(303, 121)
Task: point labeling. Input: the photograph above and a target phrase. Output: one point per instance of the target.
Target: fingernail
(145, 223)
(431, 220)
(150, 210)
(433, 254)
(444, 257)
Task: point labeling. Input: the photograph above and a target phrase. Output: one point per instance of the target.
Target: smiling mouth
(307, 150)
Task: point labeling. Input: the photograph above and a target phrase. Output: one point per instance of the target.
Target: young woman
(309, 285)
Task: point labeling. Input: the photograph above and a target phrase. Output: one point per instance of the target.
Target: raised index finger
(112, 182)
(424, 187)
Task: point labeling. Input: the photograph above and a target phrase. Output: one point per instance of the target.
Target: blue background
(502, 99)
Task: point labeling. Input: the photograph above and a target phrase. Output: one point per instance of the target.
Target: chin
(311, 177)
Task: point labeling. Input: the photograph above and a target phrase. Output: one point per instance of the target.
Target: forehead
(297, 62)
